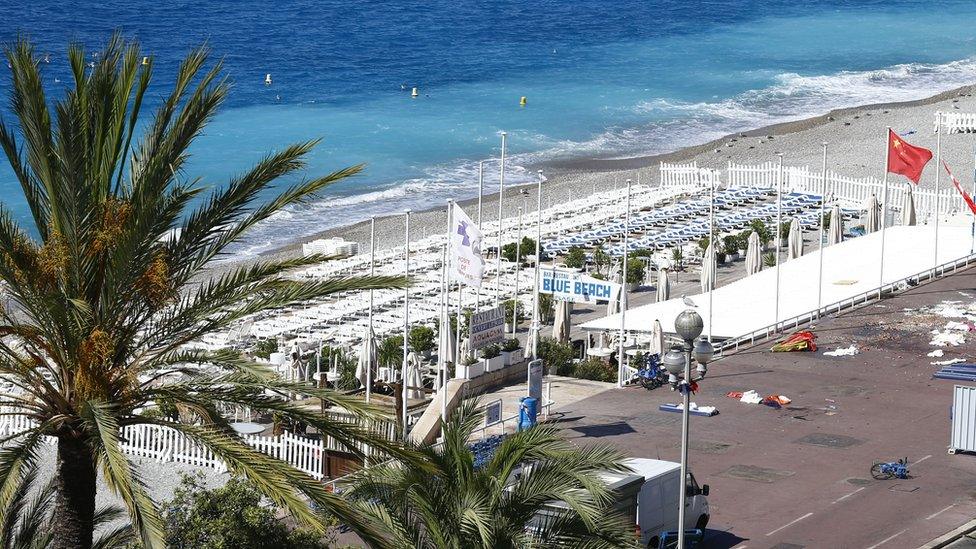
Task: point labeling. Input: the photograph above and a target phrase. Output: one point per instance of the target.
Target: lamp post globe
(703, 351)
(674, 361)
(689, 325)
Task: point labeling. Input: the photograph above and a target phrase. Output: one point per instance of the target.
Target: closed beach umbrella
(908, 208)
(836, 232)
(613, 305)
(367, 357)
(873, 221)
(663, 285)
(445, 345)
(561, 325)
(415, 381)
(656, 345)
(795, 241)
(753, 254)
(708, 270)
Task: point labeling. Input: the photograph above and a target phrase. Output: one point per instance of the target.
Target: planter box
(492, 364)
(469, 372)
(513, 357)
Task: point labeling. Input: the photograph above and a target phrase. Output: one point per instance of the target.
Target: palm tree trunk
(74, 503)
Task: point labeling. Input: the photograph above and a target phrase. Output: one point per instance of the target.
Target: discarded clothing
(843, 351)
(798, 341)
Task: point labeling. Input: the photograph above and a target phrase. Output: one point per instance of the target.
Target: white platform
(850, 269)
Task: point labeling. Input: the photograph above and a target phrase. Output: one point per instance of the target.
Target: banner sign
(535, 381)
(469, 266)
(577, 287)
(487, 327)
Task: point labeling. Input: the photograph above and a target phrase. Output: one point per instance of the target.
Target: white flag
(469, 266)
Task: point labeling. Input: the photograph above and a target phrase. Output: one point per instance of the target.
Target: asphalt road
(799, 476)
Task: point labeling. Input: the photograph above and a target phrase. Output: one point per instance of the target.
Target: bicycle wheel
(878, 473)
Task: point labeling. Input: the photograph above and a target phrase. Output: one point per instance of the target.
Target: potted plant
(730, 245)
(492, 356)
(784, 233)
(635, 273)
(469, 368)
(422, 340)
(512, 352)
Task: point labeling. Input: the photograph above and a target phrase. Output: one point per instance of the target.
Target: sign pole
(446, 336)
(536, 313)
(776, 232)
(481, 192)
(823, 200)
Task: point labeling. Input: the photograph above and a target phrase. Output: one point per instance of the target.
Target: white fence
(680, 175)
(956, 122)
(849, 192)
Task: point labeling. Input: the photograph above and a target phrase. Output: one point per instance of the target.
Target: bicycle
(896, 469)
(652, 375)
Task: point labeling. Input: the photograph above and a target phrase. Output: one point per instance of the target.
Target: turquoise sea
(601, 78)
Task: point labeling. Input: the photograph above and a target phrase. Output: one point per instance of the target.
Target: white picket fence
(680, 175)
(167, 445)
(956, 122)
(849, 192)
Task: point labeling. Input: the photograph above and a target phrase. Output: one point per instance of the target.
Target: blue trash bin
(528, 412)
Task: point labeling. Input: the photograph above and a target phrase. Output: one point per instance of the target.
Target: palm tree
(109, 281)
(464, 504)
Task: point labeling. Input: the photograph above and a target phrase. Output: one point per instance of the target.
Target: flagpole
(712, 259)
(481, 193)
(776, 232)
(623, 289)
(372, 271)
(443, 329)
(406, 317)
(498, 255)
(445, 337)
(820, 232)
(536, 313)
(884, 209)
(938, 186)
(518, 265)
(972, 224)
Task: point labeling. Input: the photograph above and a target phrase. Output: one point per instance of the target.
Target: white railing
(680, 175)
(758, 175)
(956, 122)
(733, 344)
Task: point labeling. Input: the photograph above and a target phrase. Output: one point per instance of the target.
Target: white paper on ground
(953, 325)
(693, 407)
(843, 351)
(751, 397)
(947, 362)
(936, 353)
(945, 339)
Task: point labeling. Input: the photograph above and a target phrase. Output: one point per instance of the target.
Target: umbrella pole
(371, 342)
(446, 301)
(884, 211)
(820, 231)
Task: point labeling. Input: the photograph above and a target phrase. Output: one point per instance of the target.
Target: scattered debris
(936, 353)
(798, 341)
(843, 351)
(947, 362)
(752, 397)
(947, 338)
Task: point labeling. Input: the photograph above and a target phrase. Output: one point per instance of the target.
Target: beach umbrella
(613, 305)
(603, 341)
(532, 344)
(908, 208)
(794, 243)
(415, 380)
(561, 325)
(656, 345)
(836, 232)
(663, 285)
(753, 254)
(708, 269)
(367, 357)
(872, 222)
(445, 341)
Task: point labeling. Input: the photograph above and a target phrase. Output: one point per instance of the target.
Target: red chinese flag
(906, 159)
(965, 195)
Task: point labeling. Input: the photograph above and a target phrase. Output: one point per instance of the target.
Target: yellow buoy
(523, 101)
(414, 93)
(145, 60)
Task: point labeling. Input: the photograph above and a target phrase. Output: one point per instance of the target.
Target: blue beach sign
(577, 287)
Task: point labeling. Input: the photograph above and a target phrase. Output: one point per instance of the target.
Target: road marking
(923, 459)
(842, 498)
(789, 524)
(887, 539)
(937, 513)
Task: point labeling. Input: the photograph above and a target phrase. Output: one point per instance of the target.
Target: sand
(855, 138)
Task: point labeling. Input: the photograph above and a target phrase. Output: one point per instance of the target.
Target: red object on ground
(734, 394)
(906, 159)
(798, 341)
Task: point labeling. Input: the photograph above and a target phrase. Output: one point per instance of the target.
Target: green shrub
(575, 258)
(784, 230)
(760, 228)
(490, 351)
(595, 369)
(556, 357)
(730, 244)
(422, 339)
(526, 249)
(635, 271)
(677, 256)
(390, 352)
(601, 260)
(230, 516)
(509, 304)
(264, 347)
(643, 252)
(547, 308)
(769, 259)
(511, 344)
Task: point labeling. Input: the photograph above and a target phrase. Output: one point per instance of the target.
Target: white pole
(776, 232)
(406, 317)
(481, 193)
(820, 232)
(685, 414)
(372, 270)
(972, 224)
(536, 313)
(498, 256)
(884, 211)
(446, 299)
(938, 185)
(518, 270)
(623, 290)
(712, 259)
(444, 319)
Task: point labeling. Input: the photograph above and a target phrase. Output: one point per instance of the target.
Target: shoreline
(586, 175)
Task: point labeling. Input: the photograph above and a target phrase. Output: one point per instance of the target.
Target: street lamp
(677, 361)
